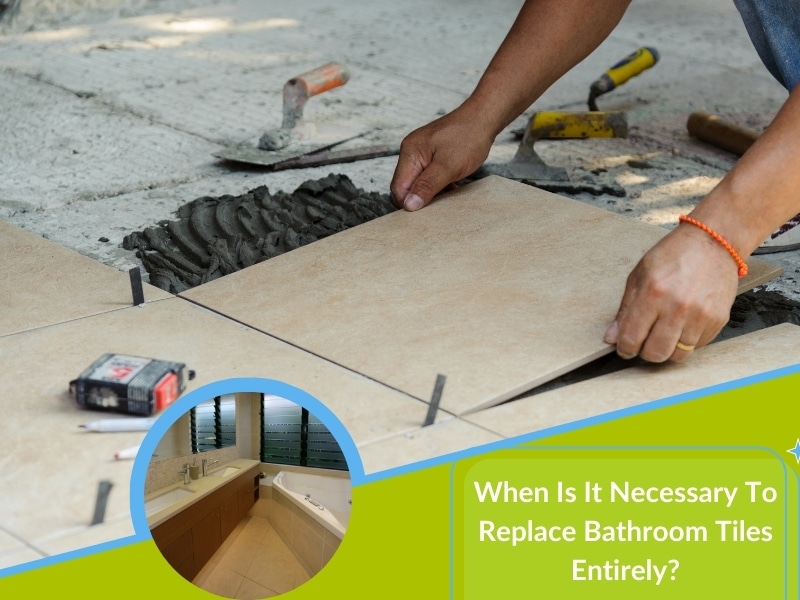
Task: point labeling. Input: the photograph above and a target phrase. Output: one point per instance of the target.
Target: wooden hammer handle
(722, 134)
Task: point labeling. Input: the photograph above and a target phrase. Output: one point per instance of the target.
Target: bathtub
(327, 500)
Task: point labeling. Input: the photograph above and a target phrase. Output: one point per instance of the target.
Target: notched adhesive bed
(216, 236)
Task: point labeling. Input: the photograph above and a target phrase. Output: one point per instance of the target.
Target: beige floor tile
(498, 285)
(239, 556)
(88, 536)
(44, 283)
(257, 527)
(276, 568)
(223, 582)
(202, 576)
(18, 556)
(329, 547)
(424, 443)
(261, 508)
(746, 355)
(41, 419)
(8, 542)
(250, 590)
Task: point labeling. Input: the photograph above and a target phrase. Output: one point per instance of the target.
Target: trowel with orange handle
(297, 138)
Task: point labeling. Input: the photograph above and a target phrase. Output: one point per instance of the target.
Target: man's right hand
(438, 154)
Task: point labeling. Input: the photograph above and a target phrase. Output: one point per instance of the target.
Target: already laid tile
(497, 285)
(8, 542)
(721, 362)
(44, 283)
(276, 567)
(433, 441)
(18, 556)
(41, 419)
(89, 536)
(250, 589)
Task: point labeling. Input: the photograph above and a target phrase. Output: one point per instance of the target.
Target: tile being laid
(498, 285)
(749, 354)
(44, 283)
(42, 437)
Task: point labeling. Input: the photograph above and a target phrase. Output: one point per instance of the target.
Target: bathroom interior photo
(247, 495)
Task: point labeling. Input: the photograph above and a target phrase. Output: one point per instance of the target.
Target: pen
(127, 453)
(105, 425)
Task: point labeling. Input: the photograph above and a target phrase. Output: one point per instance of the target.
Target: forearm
(548, 38)
(762, 191)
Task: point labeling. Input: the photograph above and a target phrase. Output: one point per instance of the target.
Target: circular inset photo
(247, 495)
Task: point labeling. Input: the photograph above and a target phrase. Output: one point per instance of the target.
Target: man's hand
(681, 291)
(438, 154)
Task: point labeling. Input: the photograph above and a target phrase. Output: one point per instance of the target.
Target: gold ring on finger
(684, 347)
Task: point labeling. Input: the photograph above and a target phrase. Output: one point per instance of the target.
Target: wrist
(741, 266)
(486, 114)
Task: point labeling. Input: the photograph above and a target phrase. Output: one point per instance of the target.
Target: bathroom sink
(164, 500)
(226, 472)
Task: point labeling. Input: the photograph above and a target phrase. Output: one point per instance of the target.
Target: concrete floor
(110, 121)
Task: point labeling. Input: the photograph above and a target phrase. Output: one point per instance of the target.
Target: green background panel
(399, 541)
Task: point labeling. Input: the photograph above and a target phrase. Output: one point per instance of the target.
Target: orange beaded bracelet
(725, 244)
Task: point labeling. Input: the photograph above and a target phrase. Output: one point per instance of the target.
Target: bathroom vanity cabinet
(188, 539)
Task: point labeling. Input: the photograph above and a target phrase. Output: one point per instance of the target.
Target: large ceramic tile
(41, 420)
(18, 556)
(749, 354)
(276, 568)
(424, 443)
(44, 283)
(498, 285)
(223, 582)
(8, 542)
(250, 590)
(88, 536)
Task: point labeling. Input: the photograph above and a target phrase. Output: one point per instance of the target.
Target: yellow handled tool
(629, 67)
(571, 125)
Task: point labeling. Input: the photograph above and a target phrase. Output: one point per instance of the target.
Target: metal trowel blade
(249, 152)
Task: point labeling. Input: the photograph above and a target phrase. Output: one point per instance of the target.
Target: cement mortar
(216, 236)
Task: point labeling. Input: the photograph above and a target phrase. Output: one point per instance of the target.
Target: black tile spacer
(136, 286)
(103, 489)
(438, 388)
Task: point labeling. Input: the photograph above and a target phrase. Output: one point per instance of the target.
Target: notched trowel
(296, 137)
(528, 167)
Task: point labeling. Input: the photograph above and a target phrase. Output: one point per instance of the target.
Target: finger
(430, 182)
(663, 340)
(409, 166)
(633, 322)
(683, 349)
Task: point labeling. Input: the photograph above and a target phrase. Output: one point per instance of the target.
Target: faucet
(206, 464)
(185, 472)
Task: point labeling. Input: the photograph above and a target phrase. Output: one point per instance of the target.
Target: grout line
(106, 312)
(389, 72)
(118, 108)
(23, 542)
(483, 427)
(327, 360)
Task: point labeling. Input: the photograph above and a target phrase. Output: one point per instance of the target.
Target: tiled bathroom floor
(254, 562)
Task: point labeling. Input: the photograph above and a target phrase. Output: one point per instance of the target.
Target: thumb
(433, 179)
